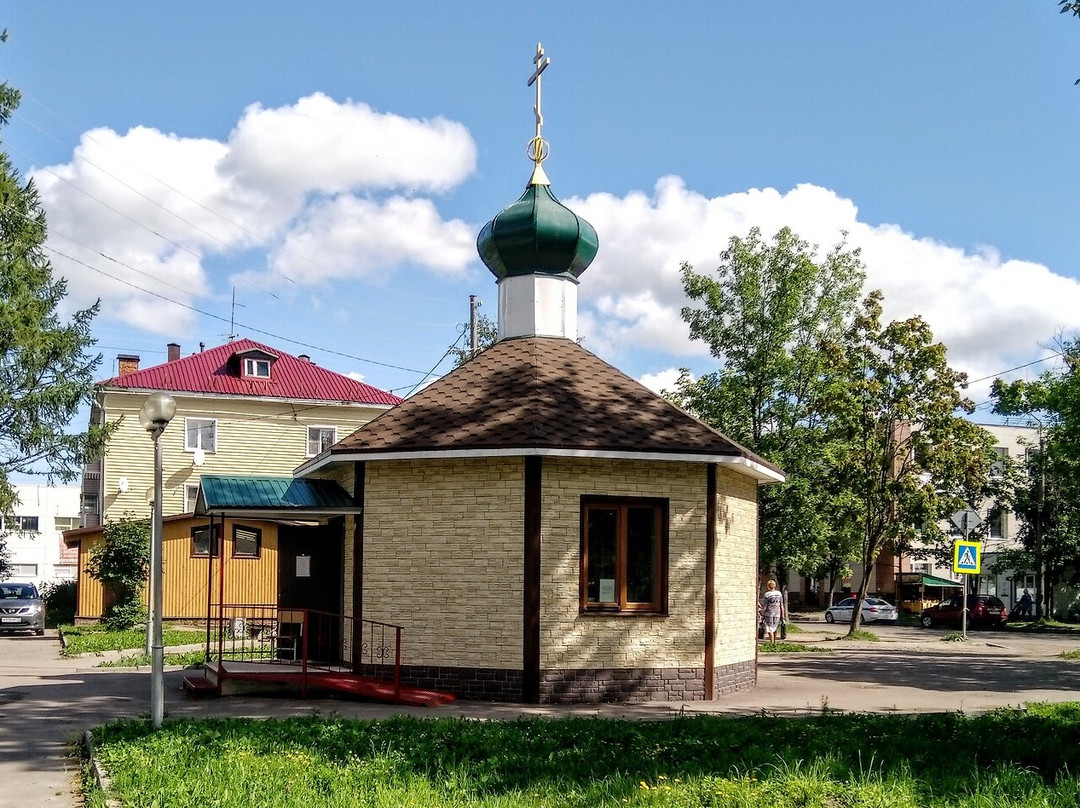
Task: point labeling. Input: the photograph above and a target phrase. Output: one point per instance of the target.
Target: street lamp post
(154, 416)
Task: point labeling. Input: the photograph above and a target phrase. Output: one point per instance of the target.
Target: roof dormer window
(257, 368)
(252, 364)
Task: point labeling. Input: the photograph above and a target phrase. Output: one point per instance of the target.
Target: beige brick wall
(736, 568)
(572, 640)
(443, 557)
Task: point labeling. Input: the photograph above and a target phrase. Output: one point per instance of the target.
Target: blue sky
(332, 162)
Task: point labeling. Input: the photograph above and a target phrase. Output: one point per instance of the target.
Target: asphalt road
(47, 702)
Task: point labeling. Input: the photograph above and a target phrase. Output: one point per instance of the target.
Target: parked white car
(873, 610)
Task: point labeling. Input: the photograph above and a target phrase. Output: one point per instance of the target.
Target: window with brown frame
(247, 541)
(624, 554)
(201, 540)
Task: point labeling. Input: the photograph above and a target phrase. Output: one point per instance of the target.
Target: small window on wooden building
(203, 539)
(320, 438)
(247, 541)
(624, 554)
(200, 433)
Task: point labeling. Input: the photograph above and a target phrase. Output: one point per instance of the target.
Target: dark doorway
(310, 576)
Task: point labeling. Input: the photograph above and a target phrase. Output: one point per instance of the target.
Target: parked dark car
(21, 608)
(983, 610)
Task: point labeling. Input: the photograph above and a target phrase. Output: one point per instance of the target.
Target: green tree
(1070, 7)
(121, 562)
(765, 314)
(46, 374)
(487, 334)
(1046, 497)
(904, 455)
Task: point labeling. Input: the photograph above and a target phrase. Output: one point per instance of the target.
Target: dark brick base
(732, 678)
(578, 686)
(475, 684)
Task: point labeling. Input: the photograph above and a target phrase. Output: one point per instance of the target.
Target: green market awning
(272, 497)
(916, 578)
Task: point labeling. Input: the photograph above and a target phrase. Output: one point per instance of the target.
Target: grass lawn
(141, 660)
(95, 639)
(1005, 758)
(783, 647)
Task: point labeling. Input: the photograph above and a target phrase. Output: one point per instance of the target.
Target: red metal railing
(266, 634)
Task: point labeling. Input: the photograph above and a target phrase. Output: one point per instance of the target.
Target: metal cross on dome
(538, 147)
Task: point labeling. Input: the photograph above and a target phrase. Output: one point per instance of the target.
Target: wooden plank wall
(247, 580)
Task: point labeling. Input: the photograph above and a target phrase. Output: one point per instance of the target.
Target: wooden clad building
(192, 565)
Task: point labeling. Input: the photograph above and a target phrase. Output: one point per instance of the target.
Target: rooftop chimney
(174, 351)
(126, 364)
(304, 358)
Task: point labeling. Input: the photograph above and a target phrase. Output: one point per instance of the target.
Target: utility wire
(259, 237)
(226, 319)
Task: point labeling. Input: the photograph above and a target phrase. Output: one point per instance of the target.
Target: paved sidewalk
(46, 701)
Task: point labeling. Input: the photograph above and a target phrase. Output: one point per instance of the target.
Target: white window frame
(66, 572)
(72, 522)
(253, 366)
(23, 571)
(188, 447)
(191, 495)
(319, 429)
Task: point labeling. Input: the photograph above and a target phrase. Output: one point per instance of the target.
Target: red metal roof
(211, 371)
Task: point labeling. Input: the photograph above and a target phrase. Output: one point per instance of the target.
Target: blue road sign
(967, 557)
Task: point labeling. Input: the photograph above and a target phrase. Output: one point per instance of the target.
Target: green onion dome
(537, 234)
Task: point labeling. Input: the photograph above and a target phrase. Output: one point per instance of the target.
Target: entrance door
(310, 576)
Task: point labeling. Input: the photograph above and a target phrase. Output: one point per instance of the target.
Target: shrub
(125, 615)
(121, 563)
(59, 602)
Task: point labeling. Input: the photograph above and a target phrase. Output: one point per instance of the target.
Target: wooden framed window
(624, 555)
(247, 541)
(204, 539)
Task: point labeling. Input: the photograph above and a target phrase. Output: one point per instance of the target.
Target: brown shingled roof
(539, 393)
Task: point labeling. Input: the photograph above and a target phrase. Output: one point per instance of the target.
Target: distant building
(34, 536)
(241, 408)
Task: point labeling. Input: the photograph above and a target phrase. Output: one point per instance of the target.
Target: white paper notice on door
(607, 590)
(303, 566)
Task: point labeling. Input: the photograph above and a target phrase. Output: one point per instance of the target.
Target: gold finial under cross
(538, 147)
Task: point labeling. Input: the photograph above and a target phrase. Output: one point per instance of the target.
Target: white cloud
(991, 313)
(167, 213)
(350, 237)
(319, 144)
(662, 380)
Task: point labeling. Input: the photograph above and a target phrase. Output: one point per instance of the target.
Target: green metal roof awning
(272, 497)
(931, 580)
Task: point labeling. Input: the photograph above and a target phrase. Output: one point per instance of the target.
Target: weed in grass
(788, 647)
(955, 636)
(188, 659)
(861, 635)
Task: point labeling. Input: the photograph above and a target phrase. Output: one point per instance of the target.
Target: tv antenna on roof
(232, 318)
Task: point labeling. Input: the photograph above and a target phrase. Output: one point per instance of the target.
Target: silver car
(21, 608)
(873, 609)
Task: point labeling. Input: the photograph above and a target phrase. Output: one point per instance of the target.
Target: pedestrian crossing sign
(967, 557)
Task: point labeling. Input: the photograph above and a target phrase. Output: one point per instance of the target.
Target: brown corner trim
(710, 580)
(530, 607)
(359, 480)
